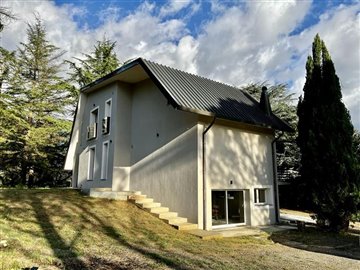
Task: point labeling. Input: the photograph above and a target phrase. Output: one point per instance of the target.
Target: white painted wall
(93, 100)
(122, 137)
(164, 154)
(245, 158)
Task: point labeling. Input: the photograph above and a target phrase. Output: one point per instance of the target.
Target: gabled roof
(189, 92)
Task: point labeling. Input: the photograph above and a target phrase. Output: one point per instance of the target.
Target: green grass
(62, 229)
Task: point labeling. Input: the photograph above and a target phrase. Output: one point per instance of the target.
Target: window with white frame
(260, 195)
(92, 128)
(105, 160)
(91, 162)
(107, 117)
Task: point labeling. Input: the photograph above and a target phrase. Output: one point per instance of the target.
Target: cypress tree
(330, 184)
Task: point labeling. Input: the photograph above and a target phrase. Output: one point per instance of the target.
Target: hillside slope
(63, 229)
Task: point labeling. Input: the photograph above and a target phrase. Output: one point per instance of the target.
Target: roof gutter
(275, 183)
(204, 168)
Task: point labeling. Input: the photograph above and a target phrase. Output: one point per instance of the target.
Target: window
(260, 195)
(91, 163)
(108, 108)
(105, 160)
(106, 120)
(92, 128)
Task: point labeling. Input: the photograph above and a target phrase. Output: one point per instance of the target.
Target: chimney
(265, 102)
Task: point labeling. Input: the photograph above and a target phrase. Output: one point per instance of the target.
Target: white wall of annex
(238, 159)
(164, 151)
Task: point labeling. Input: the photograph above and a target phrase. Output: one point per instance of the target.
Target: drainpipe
(204, 169)
(275, 177)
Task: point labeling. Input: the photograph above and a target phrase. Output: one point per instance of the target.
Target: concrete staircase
(155, 208)
(107, 193)
(161, 212)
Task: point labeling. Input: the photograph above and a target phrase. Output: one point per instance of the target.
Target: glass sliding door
(235, 207)
(219, 208)
(227, 207)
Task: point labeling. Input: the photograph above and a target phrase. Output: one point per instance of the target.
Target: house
(203, 148)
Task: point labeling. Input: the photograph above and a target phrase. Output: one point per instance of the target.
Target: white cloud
(237, 43)
(111, 13)
(243, 45)
(173, 6)
(340, 30)
(253, 44)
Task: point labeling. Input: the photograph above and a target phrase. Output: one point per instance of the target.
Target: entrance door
(228, 207)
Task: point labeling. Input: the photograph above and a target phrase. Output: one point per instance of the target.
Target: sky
(235, 42)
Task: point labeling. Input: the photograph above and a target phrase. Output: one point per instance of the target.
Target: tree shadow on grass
(314, 240)
(63, 249)
(32, 200)
(113, 233)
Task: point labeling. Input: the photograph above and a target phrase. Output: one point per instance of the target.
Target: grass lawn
(62, 229)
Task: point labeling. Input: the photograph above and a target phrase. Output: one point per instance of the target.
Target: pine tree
(328, 174)
(100, 62)
(5, 16)
(38, 99)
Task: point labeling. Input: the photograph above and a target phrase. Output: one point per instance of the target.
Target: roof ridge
(189, 73)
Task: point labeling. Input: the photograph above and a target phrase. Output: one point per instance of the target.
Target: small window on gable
(106, 120)
(92, 128)
(260, 195)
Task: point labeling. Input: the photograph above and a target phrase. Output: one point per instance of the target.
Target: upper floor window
(106, 120)
(92, 128)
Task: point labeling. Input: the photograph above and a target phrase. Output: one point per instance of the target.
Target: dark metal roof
(197, 94)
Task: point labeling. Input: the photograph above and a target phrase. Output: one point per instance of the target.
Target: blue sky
(236, 42)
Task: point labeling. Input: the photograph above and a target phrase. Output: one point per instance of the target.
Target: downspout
(204, 169)
(277, 205)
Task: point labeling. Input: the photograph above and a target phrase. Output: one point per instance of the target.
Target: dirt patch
(313, 239)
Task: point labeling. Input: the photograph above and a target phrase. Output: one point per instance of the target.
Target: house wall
(93, 100)
(72, 158)
(245, 158)
(122, 137)
(164, 154)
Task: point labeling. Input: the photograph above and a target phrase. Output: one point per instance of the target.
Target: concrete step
(106, 194)
(100, 189)
(185, 226)
(135, 197)
(163, 213)
(144, 200)
(150, 205)
(174, 220)
(158, 210)
(166, 215)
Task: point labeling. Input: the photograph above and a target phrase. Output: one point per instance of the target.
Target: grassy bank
(62, 229)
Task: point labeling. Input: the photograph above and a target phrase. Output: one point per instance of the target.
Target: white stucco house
(202, 148)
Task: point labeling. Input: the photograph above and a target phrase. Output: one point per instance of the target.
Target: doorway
(228, 208)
